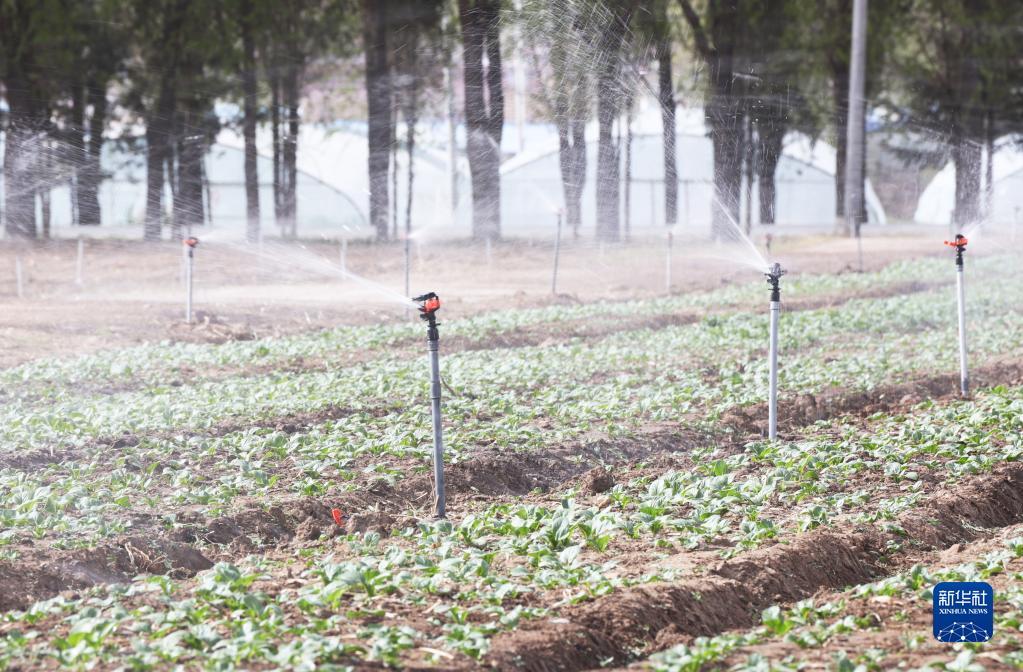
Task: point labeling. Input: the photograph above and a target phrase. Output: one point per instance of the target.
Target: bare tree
(484, 111)
(717, 40)
(611, 98)
(378, 95)
(250, 105)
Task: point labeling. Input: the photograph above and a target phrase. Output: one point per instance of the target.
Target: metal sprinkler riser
(190, 244)
(773, 275)
(429, 304)
(959, 244)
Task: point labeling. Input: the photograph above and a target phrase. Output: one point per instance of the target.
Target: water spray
(344, 257)
(774, 279)
(959, 244)
(557, 254)
(190, 244)
(429, 304)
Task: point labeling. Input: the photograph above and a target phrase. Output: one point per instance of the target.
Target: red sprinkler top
(191, 242)
(960, 241)
(431, 305)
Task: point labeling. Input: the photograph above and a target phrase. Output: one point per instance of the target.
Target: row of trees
(949, 70)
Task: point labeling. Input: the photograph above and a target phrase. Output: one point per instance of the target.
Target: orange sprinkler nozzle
(428, 304)
(191, 242)
(959, 245)
(338, 517)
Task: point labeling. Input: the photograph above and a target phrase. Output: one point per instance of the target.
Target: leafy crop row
(150, 364)
(507, 562)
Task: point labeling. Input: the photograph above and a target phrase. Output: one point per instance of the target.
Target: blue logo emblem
(964, 611)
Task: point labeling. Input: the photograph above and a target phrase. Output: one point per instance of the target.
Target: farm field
(613, 502)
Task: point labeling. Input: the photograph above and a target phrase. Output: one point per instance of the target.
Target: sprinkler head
(191, 242)
(428, 305)
(959, 244)
(773, 276)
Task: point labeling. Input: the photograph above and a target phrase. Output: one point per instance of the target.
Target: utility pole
(854, 147)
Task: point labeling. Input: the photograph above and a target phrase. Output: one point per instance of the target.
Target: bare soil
(488, 475)
(132, 292)
(638, 620)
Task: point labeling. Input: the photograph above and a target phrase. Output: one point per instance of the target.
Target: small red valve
(960, 241)
(431, 305)
(191, 242)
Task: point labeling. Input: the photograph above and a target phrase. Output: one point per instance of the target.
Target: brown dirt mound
(25, 581)
(597, 480)
(509, 473)
(44, 572)
(801, 410)
(633, 621)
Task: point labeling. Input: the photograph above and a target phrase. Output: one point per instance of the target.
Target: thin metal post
(964, 374)
(429, 305)
(188, 284)
(488, 247)
(772, 413)
(557, 254)
(344, 257)
(440, 508)
(774, 281)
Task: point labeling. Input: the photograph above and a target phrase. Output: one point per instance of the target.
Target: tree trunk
(378, 96)
(725, 116)
(291, 92)
(727, 143)
(395, 196)
(23, 130)
(608, 186)
(189, 211)
(570, 105)
(966, 155)
(484, 111)
(77, 151)
(91, 174)
(609, 108)
(157, 151)
(628, 172)
(160, 124)
(840, 97)
(45, 203)
(666, 95)
(411, 114)
(275, 129)
(748, 160)
(770, 144)
(989, 164)
(249, 129)
(572, 160)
